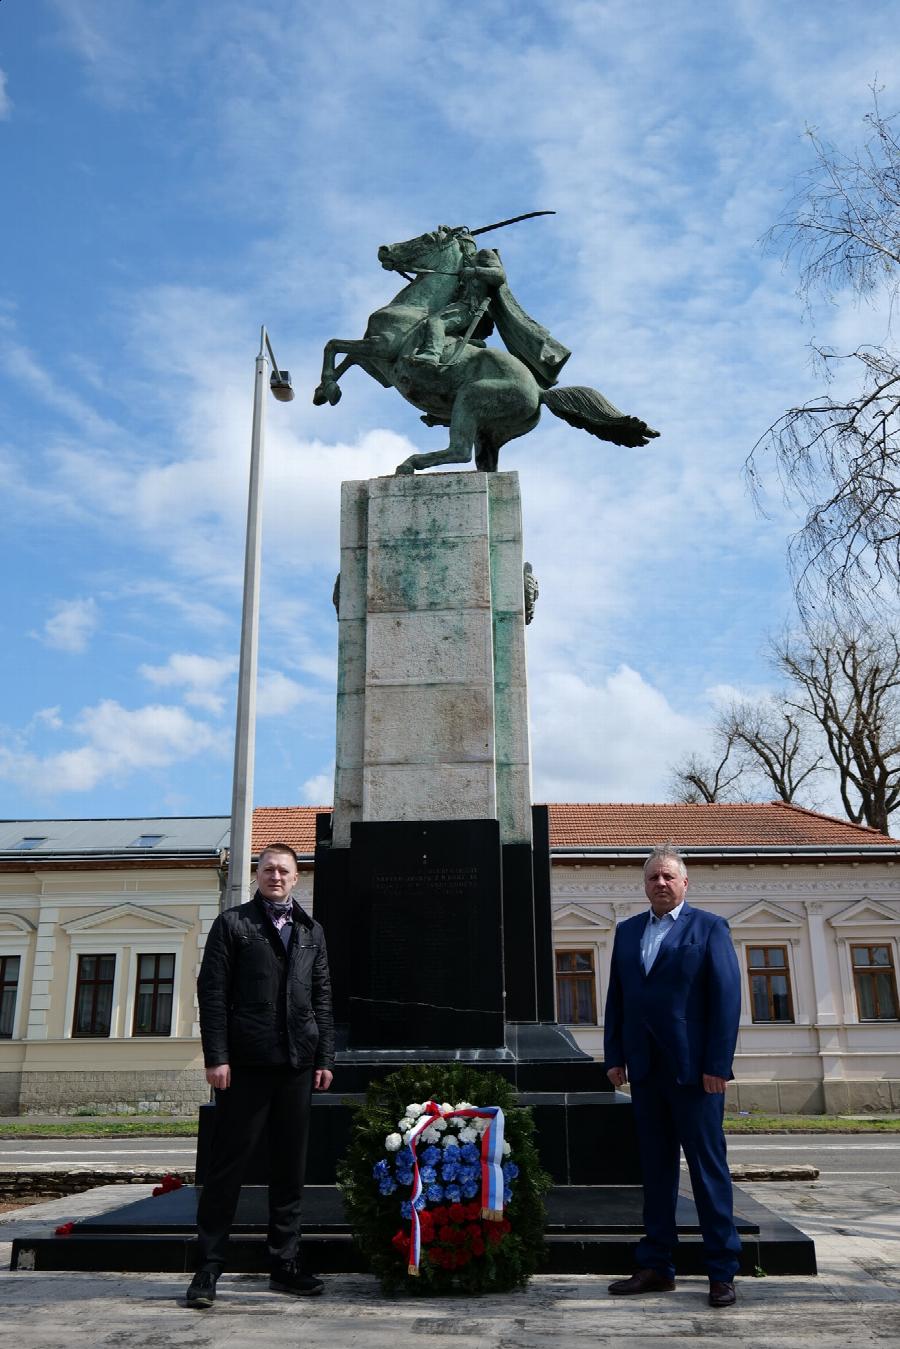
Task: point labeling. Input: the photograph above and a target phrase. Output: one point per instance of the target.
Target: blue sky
(173, 175)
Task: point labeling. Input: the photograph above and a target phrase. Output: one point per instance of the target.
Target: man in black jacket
(268, 1042)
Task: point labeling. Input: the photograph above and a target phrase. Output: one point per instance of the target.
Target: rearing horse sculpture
(485, 395)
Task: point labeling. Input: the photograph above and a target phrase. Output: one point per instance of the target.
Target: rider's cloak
(524, 337)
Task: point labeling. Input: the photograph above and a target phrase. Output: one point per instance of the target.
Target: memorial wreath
(442, 1185)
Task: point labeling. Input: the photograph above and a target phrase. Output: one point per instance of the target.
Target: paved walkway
(854, 1301)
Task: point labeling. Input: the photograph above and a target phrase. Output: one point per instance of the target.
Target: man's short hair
(278, 847)
(666, 852)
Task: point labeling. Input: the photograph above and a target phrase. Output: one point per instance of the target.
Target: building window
(576, 994)
(9, 983)
(147, 841)
(94, 995)
(770, 983)
(876, 983)
(153, 997)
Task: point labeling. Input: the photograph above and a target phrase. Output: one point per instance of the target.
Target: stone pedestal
(434, 898)
(432, 708)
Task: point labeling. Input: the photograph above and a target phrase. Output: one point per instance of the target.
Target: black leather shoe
(201, 1292)
(642, 1281)
(721, 1294)
(289, 1278)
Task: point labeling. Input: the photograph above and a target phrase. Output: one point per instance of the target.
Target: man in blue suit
(671, 1027)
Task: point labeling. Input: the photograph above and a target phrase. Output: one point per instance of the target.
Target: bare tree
(776, 745)
(848, 685)
(695, 780)
(840, 455)
(762, 747)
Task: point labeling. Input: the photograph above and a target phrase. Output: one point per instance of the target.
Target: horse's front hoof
(327, 392)
(405, 467)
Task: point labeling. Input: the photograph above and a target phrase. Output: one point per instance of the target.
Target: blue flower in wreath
(430, 1155)
(449, 1172)
(434, 1194)
(453, 1193)
(428, 1174)
(381, 1169)
(466, 1174)
(386, 1185)
(469, 1189)
(468, 1153)
(404, 1177)
(406, 1210)
(404, 1156)
(510, 1170)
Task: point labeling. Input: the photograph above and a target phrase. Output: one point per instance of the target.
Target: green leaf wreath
(461, 1252)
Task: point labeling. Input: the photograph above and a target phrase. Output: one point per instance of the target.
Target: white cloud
(276, 694)
(201, 677)
(71, 626)
(116, 742)
(614, 740)
(49, 717)
(318, 790)
(5, 100)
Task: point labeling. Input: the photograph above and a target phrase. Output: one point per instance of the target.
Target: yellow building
(102, 925)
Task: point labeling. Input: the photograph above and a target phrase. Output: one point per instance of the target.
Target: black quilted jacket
(260, 1004)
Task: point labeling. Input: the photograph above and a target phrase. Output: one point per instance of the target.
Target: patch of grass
(808, 1124)
(100, 1128)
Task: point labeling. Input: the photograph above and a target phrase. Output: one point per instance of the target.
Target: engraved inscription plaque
(427, 967)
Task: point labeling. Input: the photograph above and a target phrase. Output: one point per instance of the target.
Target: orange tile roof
(295, 825)
(771, 824)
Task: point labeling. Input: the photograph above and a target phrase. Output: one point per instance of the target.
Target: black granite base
(583, 1138)
(589, 1230)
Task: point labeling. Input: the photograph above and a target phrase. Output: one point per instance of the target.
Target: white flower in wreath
(467, 1135)
(450, 1141)
(393, 1142)
(440, 1125)
(431, 1135)
(480, 1124)
(506, 1148)
(405, 1125)
(406, 1137)
(464, 1105)
(414, 1110)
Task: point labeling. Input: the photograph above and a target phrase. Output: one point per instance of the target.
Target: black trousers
(276, 1099)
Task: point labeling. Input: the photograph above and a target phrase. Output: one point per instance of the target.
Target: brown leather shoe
(642, 1281)
(721, 1294)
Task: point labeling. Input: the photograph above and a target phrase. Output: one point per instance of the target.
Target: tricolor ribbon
(492, 1192)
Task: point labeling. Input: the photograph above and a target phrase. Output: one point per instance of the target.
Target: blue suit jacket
(689, 1003)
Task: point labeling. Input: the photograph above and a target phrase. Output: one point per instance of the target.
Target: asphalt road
(838, 1156)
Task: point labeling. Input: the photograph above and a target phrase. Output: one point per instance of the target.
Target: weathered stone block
(428, 574)
(440, 792)
(801, 1098)
(761, 1096)
(419, 516)
(351, 656)
(428, 724)
(354, 513)
(433, 648)
(352, 598)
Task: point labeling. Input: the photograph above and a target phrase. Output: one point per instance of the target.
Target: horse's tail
(590, 411)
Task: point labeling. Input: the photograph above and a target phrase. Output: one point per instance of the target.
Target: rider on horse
(484, 300)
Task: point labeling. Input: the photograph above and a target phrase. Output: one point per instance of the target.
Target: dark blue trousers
(276, 1100)
(670, 1118)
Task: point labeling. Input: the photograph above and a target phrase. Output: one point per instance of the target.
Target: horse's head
(441, 249)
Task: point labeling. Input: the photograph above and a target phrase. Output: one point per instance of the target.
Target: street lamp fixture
(240, 849)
